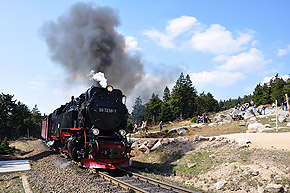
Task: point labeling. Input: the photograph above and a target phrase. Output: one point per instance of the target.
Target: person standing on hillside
(264, 109)
(160, 125)
(273, 106)
(145, 126)
(135, 128)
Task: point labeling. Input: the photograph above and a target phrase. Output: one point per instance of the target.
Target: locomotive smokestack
(85, 38)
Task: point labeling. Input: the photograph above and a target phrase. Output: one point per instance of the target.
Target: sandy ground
(265, 140)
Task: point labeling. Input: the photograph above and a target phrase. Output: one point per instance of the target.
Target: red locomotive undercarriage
(96, 153)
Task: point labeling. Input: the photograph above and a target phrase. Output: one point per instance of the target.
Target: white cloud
(249, 88)
(163, 40)
(36, 85)
(131, 43)
(216, 77)
(217, 40)
(174, 28)
(180, 25)
(268, 78)
(247, 61)
(221, 58)
(283, 52)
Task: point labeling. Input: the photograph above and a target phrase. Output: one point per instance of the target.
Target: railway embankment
(50, 172)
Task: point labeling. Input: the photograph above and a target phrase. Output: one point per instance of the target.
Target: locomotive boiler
(91, 129)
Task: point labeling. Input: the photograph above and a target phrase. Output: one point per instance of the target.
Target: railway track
(133, 182)
(138, 183)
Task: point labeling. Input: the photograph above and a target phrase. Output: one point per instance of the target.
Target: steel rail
(121, 183)
(159, 183)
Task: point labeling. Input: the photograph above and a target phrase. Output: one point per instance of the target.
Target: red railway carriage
(91, 129)
(45, 127)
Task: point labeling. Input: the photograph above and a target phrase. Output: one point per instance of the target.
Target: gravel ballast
(52, 173)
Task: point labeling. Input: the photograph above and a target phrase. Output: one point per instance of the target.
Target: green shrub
(4, 147)
(193, 120)
(129, 126)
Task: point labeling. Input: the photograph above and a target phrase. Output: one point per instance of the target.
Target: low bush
(4, 147)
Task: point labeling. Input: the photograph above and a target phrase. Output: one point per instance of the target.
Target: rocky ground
(51, 173)
(221, 164)
(218, 165)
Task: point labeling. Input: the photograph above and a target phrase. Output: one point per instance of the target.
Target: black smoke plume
(85, 38)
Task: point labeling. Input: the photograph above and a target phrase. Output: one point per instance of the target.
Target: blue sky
(226, 47)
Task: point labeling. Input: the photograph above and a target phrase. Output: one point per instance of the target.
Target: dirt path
(265, 140)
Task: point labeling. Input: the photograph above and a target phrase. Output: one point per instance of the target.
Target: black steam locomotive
(91, 129)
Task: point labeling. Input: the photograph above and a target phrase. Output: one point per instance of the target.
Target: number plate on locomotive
(107, 110)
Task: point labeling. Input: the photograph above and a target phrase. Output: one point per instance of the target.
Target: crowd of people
(242, 107)
(203, 118)
(144, 127)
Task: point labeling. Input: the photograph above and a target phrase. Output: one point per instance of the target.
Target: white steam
(99, 77)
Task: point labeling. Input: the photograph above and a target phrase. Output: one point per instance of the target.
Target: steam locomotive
(91, 129)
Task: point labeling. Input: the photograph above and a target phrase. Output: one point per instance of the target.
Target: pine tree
(183, 98)
(277, 86)
(153, 109)
(138, 111)
(166, 94)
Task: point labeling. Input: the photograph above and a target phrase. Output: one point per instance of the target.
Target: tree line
(181, 102)
(266, 93)
(17, 120)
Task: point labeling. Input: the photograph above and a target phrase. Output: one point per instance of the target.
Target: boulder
(243, 142)
(220, 184)
(281, 119)
(248, 115)
(173, 130)
(243, 123)
(191, 165)
(222, 116)
(217, 119)
(201, 138)
(252, 128)
(274, 188)
(267, 126)
(156, 146)
(182, 139)
(212, 138)
(181, 131)
(252, 120)
(144, 148)
(254, 172)
(265, 129)
(151, 143)
(134, 145)
(288, 125)
(165, 141)
(212, 124)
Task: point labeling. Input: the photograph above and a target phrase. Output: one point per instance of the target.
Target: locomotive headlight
(122, 132)
(109, 88)
(95, 131)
